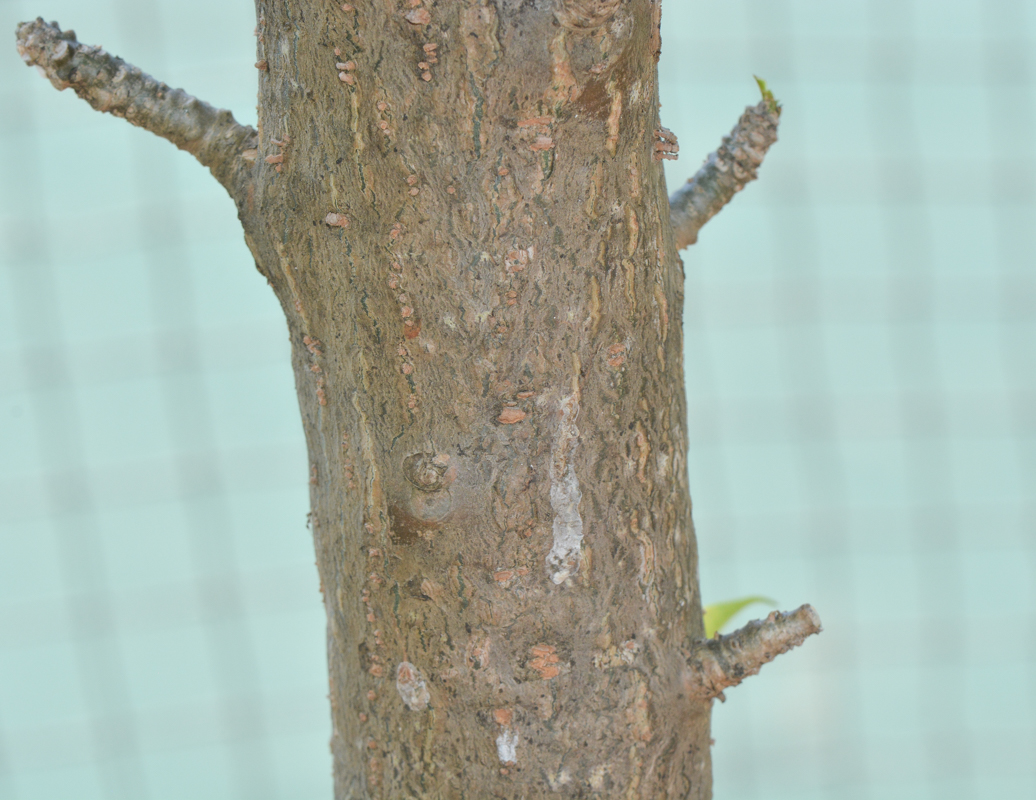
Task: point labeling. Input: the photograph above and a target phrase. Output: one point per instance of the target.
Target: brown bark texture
(462, 210)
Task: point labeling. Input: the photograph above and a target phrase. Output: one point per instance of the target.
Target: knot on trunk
(428, 472)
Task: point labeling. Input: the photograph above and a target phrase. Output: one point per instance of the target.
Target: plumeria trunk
(470, 237)
(462, 210)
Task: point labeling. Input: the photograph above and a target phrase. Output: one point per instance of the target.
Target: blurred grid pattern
(861, 372)
(860, 366)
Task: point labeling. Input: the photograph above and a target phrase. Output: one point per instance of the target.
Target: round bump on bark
(427, 471)
(585, 15)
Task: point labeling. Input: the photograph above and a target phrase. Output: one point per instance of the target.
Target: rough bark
(462, 210)
(726, 171)
(719, 663)
(111, 85)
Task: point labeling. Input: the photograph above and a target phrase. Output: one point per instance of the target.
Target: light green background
(861, 381)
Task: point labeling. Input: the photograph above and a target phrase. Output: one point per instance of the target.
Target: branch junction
(725, 172)
(109, 84)
(719, 663)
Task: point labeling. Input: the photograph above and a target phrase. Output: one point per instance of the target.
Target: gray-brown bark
(111, 85)
(460, 209)
(725, 172)
(719, 663)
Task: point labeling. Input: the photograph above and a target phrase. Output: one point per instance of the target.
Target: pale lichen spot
(565, 496)
(557, 780)
(507, 746)
(419, 16)
(411, 687)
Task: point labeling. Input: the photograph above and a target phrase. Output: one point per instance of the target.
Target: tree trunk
(462, 210)
(468, 235)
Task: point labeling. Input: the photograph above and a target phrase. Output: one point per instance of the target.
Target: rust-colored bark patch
(510, 415)
(544, 661)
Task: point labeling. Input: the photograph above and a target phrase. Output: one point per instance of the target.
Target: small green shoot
(719, 614)
(771, 101)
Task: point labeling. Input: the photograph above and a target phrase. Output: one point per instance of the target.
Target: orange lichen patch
(531, 122)
(426, 76)
(638, 716)
(313, 345)
(616, 355)
(542, 143)
(277, 159)
(262, 65)
(335, 220)
(564, 87)
(525, 395)
(544, 660)
(376, 670)
(382, 105)
(517, 260)
(348, 66)
(511, 298)
(419, 16)
(406, 311)
(347, 77)
(503, 575)
(503, 716)
(510, 415)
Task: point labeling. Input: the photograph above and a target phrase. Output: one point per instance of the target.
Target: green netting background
(861, 367)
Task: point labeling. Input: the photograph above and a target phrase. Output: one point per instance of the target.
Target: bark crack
(725, 172)
(717, 664)
(109, 84)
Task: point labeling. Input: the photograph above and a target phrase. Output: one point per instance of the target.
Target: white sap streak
(507, 746)
(563, 558)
